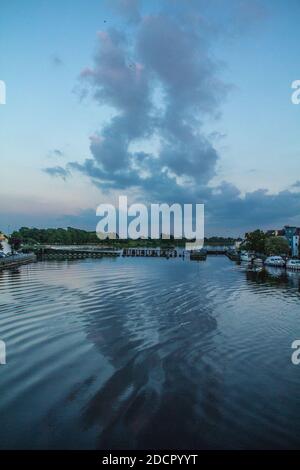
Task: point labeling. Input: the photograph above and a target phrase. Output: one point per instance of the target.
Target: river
(135, 353)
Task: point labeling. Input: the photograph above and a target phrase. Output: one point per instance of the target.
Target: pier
(153, 252)
(68, 252)
(74, 252)
(17, 260)
(218, 249)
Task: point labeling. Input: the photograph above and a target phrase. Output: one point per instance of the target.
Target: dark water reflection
(149, 353)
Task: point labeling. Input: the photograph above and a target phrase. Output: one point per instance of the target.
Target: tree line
(260, 242)
(74, 236)
(68, 236)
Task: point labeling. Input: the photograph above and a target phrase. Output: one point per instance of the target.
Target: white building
(295, 245)
(4, 242)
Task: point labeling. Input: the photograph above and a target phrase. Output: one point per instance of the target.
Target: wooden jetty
(218, 249)
(74, 252)
(17, 260)
(153, 252)
(233, 255)
(198, 255)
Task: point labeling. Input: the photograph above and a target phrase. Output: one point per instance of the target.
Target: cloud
(56, 60)
(163, 82)
(253, 210)
(57, 172)
(84, 219)
(227, 211)
(128, 9)
(56, 153)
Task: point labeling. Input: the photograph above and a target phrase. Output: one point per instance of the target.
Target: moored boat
(275, 261)
(245, 256)
(293, 264)
(258, 262)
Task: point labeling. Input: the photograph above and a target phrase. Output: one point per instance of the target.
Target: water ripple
(149, 353)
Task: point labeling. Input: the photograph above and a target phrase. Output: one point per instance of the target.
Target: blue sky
(164, 101)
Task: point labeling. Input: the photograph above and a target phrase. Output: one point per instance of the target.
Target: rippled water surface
(149, 353)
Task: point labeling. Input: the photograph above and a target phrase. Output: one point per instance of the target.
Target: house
(295, 247)
(4, 242)
(275, 233)
(292, 234)
(237, 244)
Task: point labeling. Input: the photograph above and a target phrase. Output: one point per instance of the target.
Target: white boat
(293, 264)
(258, 262)
(245, 256)
(275, 261)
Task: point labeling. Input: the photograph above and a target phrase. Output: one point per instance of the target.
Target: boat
(245, 256)
(277, 261)
(293, 264)
(258, 262)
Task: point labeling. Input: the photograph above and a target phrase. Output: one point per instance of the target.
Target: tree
(15, 241)
(277, 246)
(255, 241)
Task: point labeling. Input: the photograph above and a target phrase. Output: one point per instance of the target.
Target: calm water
(149, 353)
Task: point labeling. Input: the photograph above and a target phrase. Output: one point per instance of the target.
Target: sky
(176, 101)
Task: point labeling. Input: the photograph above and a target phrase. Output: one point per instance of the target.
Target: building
(275, 233)
(237, 244)
(4, 243)
(292, 234)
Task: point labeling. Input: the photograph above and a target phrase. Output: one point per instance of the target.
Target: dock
(74, 252)
(218, 249)
(233, 255)
(153, 252)
(17, 260)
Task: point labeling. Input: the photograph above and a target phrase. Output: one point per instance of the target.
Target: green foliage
(73, 236)
(255, 241)
(219, 241)
(15, 241)
(69, 236)
(259, 242)
(277, 246)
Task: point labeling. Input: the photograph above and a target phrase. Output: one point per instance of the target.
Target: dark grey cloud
(227, 212)
(58, 172)
(255, 209)
(170, 57)
(56, 153)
